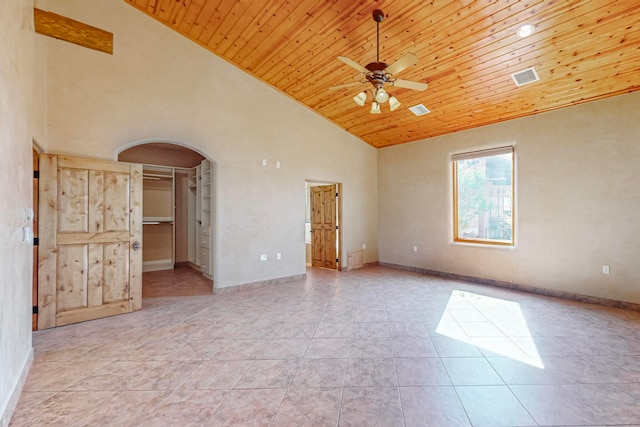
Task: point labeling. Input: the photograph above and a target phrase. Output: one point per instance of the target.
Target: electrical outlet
(277, 165)
(263, 257)
(415, 249)
(605, 269)
(278, 255)
(364, 246)
(264, 162)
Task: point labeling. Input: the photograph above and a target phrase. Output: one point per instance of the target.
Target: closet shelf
(156, 219)
(156, 176)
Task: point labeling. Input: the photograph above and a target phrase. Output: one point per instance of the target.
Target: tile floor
(370, 347)
(179, 282)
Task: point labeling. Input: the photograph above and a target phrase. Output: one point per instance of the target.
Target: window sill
(481, 244)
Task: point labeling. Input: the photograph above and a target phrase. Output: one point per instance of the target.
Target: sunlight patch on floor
(493, 324)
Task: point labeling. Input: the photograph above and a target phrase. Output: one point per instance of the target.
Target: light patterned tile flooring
(370, 347)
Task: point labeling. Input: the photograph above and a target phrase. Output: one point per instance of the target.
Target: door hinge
(336, 194)
(36, 174)
(337, 260)
(35, 309)
(36, 241)
(336, 227)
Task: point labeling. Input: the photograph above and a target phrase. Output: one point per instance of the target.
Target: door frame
(215, 217)
(35, 198)
(318, 182)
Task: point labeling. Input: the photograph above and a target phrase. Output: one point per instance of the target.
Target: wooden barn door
(89, 261)
(323, 226)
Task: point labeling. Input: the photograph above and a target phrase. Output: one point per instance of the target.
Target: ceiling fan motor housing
(378, 78)
(376, 66)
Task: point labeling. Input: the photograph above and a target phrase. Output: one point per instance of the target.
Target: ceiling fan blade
(353, 64)
(407, 60)
(408, 84)
(346, 85)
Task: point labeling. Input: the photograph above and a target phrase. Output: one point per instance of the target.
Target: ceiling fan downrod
(378, 16)
(377, 76)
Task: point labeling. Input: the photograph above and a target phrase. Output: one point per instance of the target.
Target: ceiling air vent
(525, 76)
(419, 110)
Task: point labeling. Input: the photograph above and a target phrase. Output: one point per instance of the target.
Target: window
(483, 196)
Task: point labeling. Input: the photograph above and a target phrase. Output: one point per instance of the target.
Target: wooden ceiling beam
(72, 31)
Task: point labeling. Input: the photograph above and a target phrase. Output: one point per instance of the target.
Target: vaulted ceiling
(582, 50)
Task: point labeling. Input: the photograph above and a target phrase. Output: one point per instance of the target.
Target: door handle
(136, 245)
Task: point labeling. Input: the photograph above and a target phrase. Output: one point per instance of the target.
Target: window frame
(474, 155)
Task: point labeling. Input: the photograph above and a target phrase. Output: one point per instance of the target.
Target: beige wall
(16, 133)
(576, 168)
(159, 86)
(576, 203)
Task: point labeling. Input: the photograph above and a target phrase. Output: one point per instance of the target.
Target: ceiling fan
(379, 73)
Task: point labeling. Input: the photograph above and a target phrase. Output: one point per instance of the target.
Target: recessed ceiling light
(526, 30)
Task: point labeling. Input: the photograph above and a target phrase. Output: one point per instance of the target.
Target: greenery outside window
(484, 196)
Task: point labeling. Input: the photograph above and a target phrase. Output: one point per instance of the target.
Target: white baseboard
(157, 265)
(5, 417)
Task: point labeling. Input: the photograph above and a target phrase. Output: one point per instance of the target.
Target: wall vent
(355, 260)
(525, 76)
(419, 110)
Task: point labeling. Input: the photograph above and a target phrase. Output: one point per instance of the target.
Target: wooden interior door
(90, 227)
(323, 226)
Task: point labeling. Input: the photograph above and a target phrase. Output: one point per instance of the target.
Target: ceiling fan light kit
(382, 96)
(360, 98)
(394, 103)
(379, 73)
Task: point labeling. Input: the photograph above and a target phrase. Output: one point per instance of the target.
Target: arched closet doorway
(178, 218)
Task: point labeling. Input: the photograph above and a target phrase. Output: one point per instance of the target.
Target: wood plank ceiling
(582, 50)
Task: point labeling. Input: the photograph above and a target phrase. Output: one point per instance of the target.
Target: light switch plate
(27, 235)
